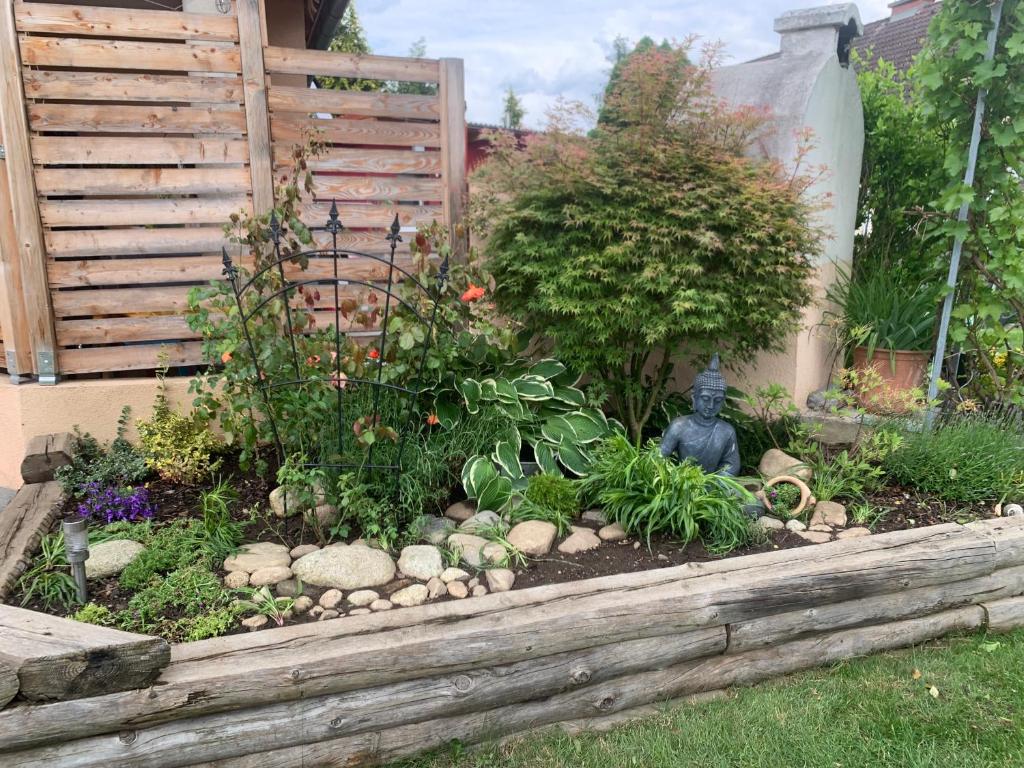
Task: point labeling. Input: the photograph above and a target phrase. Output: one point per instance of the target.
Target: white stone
(815, 537)
(328, 615)
(414, 594)
(359, 612)
(479, 590)
(302, 604)
(500, 579)
(820, 528)
(581, 540)
(453, 574)
(533, 537)
(596, 516)
(776, 463)
(434, 530)
(253, 557)
(436, 589)
(461, 511)
(254, 622)
(795, 525)
(331, 598)
(288, 505)
(469, 547)
(853, 533)
(316, 610)
(421, 561)
(362, 597)
(832, 513)
(302, 549)
(109, 558)
(769, 523)
(481, 521)
(494, 553)
(344, 567)
(458, 589)
(236, 579)
(381, 605)
(613, 532)
(272, 575)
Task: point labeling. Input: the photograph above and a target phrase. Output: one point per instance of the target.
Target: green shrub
(118, 465)
(553, 492)
(221, 534)
(966, 459)
(648, 494)
(784, 498)
(213, 624)
(175, 545)
(191, 592)
(91, 613)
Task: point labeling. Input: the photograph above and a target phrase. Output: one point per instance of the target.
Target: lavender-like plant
(116, 504)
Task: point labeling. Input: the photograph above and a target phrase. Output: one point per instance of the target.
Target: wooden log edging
(367, 689)
(23, 522)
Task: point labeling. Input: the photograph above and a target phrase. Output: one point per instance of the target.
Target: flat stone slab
(533, 537)
(345, 567)
(109, 558)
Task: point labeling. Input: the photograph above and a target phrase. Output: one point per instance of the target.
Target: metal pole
(958, 242)
(76, 547)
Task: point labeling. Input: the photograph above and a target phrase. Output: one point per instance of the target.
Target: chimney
(901, 8)
(826, 29)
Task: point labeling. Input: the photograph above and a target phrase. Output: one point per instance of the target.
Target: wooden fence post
(28, 228)
(453, 152)
(257, 114)
(13, 321)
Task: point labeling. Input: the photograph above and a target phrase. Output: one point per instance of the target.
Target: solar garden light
(76, 547)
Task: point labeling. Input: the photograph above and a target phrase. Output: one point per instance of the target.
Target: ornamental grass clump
(648, 494)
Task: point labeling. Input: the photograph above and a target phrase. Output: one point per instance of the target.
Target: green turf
(866, 712)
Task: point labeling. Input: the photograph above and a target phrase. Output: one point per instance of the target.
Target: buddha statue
(702, 437)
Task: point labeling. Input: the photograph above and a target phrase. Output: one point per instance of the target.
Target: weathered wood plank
(45, 454)
(366, 103)
(1005, 615)
(75, 20)
(142, 181)
(121, 86)
(77, 243)
(257, 115)
(372, 215)
(122, 54)
(131, 150)
(22, 524)
(359, 652)
(59, 659)
(90, 118)
(123, 213)
(1007, 534)
(335, 159)
(405, 188)
(139, 357)
(295, 61)
(17, 344)
(8, 684)
(119, 301)
(453, 153)
(289, 127)
(232, 734)
(115, 330)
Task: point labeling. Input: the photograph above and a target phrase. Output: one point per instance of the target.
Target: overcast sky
(547, 48)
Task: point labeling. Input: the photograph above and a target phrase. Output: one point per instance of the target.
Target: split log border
(365, 690)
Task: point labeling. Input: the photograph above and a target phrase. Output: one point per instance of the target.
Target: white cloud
(547, 49)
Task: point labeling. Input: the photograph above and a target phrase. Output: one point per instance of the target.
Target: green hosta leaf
(547, 369)
(476, 474)
(488, 390)
(588, 427)
(545, 456)
(505, 391)
(447, 412)
(506, 456)
(532, 387)
(558, 430)
(495, 495)
(470, 391)
(574, 459)
(513, 410)
(570, 395)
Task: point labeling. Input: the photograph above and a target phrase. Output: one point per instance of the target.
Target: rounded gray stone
(345, 567)
(109, 558)
(421, 561)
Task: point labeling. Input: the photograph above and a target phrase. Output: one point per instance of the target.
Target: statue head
(709, 392)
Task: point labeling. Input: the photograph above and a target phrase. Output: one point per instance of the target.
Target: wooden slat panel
(121, 22)
(377, 188)
(120, 86)
(114, 301)
(131, 241)
(293, 61)
(368, 161)
(109, 150)
(114, 119)
(75, 273)
(257, 116)
(112, 330)
(453, 150)
(362, 215)
(287, 128)
(130, 358)
(120, 54)
(142, 181)
(371, 104)
(107, 213)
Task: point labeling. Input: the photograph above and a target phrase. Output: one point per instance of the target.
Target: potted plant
(885, 324)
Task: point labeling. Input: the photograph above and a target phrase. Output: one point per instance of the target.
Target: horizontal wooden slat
(377, 188)
(120, 86)
(121, 54)
(120, 301)
(363, 215)
(344, 160)
(129, 358)
(142, 181)
(293, 61)
(74, 273)
(289, 128)
(89, 118)
(111, 330)
(371, 104)
(122, 22)
(95, 213)
(77, 243)
(144, 150)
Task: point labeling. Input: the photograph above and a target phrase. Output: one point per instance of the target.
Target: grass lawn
(953, 703)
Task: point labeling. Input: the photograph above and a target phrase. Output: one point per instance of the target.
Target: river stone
(415, 594)
(581, 540)
(302, 604)
(500, 579)
(359, 612)
(775, 463)
(253, 557)
(315, 611)
(484, 519)
(820, 528)
(436, 588)
(815, 537)
(303, 549)
(613, 532)
(267, 576)
(328, 615)
(381, 605)
(254, 622)
(479, 590)
(421, 561)
(831, 513)
(109, 558)
(278, 501)
(533, 538)
(461, 511)
(331, 598)
(453, 574)
(236, 580)
(469, 547)
(596, 516)
(344, 567)
(362, 597)
(434, 530)
(853, 533)
(770, 523)
(795, 525)
(494, 553)
(458, 589)
(326, 515)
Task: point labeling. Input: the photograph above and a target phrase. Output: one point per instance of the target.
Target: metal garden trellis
(337, 379)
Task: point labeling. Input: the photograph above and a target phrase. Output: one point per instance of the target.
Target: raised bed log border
(368, 689)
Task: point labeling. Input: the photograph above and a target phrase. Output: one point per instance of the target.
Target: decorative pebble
(453, 574)
(815, 537)
(381, 605)
(421, 561)
(500, 579)
(458, 589)
(831, 513)
(254, 622)
(267, 576)
(303, 549)
(416, 594)
(345, 567)
(326, 615)
(769, 523)
(469, 547)
(613, 532)
(820, 528)
(362, 597)
(596, 516)
(289, 588)
(302, 604)
(316, 610)
(473, 582)
(533, 538)
(481, 520)
(109, 558)
(581, 540)
(235, 579)
(479, 590)
(795, 525)
(461, 511)
(853, 533)
(253, 557)
(436, 589)
(434, 530)
(332, 598)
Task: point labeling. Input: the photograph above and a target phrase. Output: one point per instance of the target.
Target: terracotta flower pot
(900, 371)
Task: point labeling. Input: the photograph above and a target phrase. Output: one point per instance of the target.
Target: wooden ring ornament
(806, 499)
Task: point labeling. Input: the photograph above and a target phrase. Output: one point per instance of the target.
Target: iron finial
(275, 228)
(394, 233)
(442, 275)
(333, 222)
(230, 271)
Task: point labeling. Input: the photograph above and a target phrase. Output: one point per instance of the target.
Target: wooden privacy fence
(131, 138)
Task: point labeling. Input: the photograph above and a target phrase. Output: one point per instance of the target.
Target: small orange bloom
(313, 360)
(432, 419)
(225, 358)
(374, 354)
(473, 293)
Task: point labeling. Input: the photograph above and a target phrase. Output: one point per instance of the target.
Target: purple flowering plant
(115, 504)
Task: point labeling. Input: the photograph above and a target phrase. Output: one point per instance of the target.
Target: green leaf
(470, 390)
(406, 341)
(515, 411)
(505, 391)
(587, 426)
(446, 411)
(558, 430)
(545, 456)
(506, 456)
(547, 369)
(495, 495)
(488, 390)
(534, 388)
(476, 474)
(570, 395)
(574, 459)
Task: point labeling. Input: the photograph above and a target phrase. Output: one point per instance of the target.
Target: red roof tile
(897, 40)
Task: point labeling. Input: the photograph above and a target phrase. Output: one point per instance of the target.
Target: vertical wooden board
(27, 226)
(13, 316)
(257, 115)
(453, 152)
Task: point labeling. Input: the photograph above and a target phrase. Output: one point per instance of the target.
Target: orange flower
(432, 419)
(374, 354)
(313, 360)
(473, 293)
(225, 358)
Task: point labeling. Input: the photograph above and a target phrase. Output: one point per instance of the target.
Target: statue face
(707, 403)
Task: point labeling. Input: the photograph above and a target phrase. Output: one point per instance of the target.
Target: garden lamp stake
(958, 241)
(76, 547)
